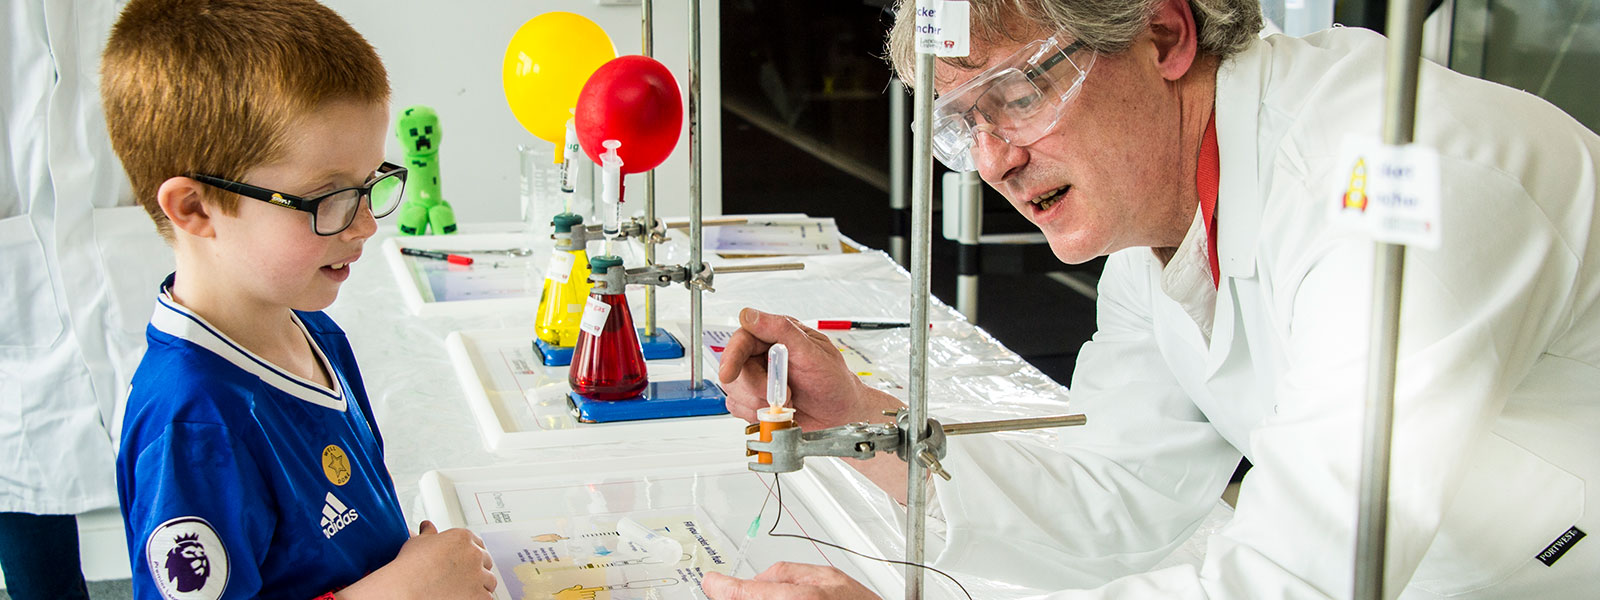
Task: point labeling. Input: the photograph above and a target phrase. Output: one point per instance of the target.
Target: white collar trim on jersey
(178, 321)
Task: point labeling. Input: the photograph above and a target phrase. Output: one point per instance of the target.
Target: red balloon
(634, 100)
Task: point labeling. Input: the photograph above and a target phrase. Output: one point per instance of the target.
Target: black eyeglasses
(334, 211)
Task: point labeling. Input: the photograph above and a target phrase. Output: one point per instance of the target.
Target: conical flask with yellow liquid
(566, 285)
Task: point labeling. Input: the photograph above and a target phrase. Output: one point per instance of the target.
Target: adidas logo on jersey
(336, 516)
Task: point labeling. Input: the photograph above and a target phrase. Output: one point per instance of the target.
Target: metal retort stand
(650, 231)
(1399, 121)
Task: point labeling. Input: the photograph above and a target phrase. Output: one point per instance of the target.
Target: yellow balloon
(546, 64)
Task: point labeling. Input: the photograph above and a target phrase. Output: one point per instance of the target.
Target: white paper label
(595, 313)
(1390, 192)
(560, 268)
(955, 21)
(943, 27)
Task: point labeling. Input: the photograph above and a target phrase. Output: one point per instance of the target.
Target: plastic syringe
(569, 165)
(776, 416)
(777, 378)
(659, 548)
(611, 192)
(749, 534)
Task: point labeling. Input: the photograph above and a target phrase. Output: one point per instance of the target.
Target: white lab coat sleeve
(1116, 495)
(1475, 317)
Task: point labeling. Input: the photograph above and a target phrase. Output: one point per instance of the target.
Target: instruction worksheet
(587, 557)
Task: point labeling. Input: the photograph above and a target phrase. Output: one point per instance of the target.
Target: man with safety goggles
(1019, 100)
(1205, 163)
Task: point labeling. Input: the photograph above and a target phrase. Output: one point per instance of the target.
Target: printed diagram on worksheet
(448, 282)
(586, 556)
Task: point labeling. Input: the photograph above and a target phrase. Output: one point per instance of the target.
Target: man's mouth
(1049, 199)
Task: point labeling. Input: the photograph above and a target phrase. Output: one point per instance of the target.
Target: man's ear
(1176, 38)
(181, 198)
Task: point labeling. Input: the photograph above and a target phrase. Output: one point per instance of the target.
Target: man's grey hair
(1104, 26)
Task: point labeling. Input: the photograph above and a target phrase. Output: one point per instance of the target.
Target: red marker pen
(455, 259)
(826, 325)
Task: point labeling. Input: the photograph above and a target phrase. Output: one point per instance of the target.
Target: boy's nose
(364, 225)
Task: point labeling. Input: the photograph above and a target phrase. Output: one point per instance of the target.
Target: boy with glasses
(251, 463)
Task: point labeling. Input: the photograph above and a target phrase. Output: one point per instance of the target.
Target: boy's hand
(822, 390)
(432, 564)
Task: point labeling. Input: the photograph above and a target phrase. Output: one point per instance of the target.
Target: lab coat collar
(1186, 279)
(1239, 108)
(1238, 112)
(178, 321)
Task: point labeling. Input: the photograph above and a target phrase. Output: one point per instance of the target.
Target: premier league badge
(187, 560)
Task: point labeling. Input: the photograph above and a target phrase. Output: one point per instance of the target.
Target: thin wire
(778, 487)
(764, 501)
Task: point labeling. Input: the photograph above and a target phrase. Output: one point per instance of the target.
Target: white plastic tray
(717, 484)
(479, 288)
(519, 403)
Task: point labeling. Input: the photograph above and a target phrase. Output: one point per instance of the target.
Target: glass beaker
(540, 188)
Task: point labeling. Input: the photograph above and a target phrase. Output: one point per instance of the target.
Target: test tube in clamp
(777, 416)
(790, 447)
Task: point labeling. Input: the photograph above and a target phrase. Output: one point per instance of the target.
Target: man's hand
(788, 581)
(822, 390)
(448, 565)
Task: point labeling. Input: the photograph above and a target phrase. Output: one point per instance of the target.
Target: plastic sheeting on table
(426, 424)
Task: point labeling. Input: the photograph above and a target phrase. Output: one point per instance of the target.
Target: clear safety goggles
(1019, 100)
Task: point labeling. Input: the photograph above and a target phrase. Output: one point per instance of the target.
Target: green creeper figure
(419, 133)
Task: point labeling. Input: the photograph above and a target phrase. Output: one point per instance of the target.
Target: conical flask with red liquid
(607, 364)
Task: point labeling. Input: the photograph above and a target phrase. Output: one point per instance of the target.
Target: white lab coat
(78, 262)
(1496, 451)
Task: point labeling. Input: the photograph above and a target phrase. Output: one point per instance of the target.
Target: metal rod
(712, 222)
(1014, 424)
(647, 44)
(968, 268)
(647, 47)
(760, 268)
(695, 166)
(897, 166)
(967, 297)
(921, 263)
(1399, 115)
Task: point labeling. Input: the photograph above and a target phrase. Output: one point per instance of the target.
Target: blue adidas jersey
(241, 480)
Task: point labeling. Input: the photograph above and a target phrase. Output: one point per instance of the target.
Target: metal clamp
(616, 278)
(575, 239)
(632, 228)
(790, 447)
(636, 228)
